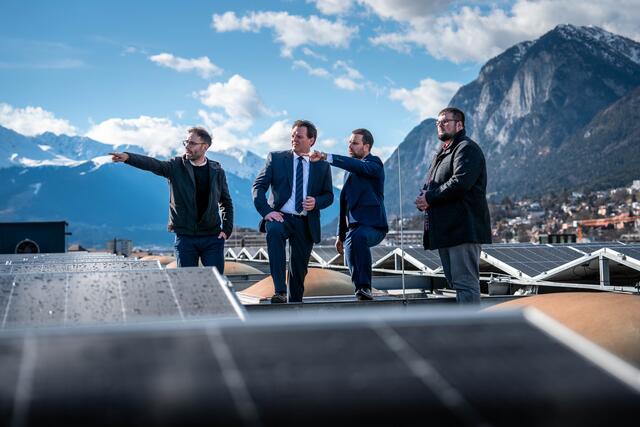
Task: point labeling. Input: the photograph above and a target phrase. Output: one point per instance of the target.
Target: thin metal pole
(404, 294)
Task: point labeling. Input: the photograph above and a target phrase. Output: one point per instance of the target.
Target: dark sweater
(201, 175)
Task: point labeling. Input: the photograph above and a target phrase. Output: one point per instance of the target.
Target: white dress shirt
(290, 206)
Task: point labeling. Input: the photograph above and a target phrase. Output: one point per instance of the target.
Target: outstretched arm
(371, 166)
(159, 167)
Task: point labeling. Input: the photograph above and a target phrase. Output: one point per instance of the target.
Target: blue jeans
(358, 255)
(208, 249)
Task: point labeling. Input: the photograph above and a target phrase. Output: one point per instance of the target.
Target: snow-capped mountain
(49, 149)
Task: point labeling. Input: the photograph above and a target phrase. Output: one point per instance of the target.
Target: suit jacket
(277, 175)
(456, 190)
(363, 192)
(183, 211)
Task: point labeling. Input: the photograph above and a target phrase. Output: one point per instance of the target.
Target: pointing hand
(119, 157)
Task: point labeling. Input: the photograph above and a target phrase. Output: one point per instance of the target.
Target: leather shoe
(364, 294)
(279, 298)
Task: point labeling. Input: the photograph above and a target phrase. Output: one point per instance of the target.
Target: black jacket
(456, 191)
(183, 211)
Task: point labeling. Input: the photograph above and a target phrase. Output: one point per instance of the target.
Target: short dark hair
(367, 138)
(202, 133)
(457, 114)
(312, 132)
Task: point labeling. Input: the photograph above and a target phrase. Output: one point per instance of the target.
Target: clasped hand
(421, 202)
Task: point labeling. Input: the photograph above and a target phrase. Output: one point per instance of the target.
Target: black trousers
(296, 230)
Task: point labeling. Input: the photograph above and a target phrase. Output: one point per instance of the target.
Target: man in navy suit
(299, 189)
(363, 220)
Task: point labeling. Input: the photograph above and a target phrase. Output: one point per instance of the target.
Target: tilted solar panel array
(533, 260)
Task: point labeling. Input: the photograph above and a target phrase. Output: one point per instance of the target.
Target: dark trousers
(295, 229)
(358, 255)
(461, 265)
(208, 249)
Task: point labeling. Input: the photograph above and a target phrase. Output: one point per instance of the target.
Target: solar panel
(126, 296)
(437, 370)
(430, 259)
(326, 253)
(56, 257)
(589, 248)
(253, 251)
(81, 266)
(533, 260)
(379, 252)
(631, 251)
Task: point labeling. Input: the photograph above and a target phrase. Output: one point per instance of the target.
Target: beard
(445, 136)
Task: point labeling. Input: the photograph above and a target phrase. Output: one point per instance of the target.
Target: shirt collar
(304, 158)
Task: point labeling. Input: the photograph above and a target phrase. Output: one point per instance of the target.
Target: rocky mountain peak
(528, 103)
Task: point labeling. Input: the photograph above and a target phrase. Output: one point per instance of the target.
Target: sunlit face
(195, 148)
(299, 140)
(447, 126)
(357, 148)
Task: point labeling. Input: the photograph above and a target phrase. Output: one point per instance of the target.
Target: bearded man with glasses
(200, 207)
(454, 202)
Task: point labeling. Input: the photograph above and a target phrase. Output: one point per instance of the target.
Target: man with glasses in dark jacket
(200, 207)
(453, 198)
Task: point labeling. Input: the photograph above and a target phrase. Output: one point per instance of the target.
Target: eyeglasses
(445, 121)
(188, 143)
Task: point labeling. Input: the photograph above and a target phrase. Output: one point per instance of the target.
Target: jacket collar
(459, 136)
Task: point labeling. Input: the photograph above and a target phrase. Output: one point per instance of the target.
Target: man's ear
(314, 141)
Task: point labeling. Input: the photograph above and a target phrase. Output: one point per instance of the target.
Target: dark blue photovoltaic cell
(533, 260)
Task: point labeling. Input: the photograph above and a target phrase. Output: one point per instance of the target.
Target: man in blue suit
(363, 220)
(299, 189)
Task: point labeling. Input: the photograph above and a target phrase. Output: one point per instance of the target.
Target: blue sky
(141, 72)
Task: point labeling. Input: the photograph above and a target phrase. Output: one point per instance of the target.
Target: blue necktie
(299, 179)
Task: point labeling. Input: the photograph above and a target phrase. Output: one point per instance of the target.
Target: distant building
(636, 184)
(409, 237)
(247, 238)
(120, 247)
(557, 238)
(33, 237)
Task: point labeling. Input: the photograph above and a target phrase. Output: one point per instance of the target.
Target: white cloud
(405, 10)
(157, 136)
(352, 73)
(277, 137)
(224, 131)
(237, 97)
(427, 99)
(32, 121)
(332, 7)
(474, 34)
(318, 72)
(347, 84)
(350, 79)
(203, 66)
(292, 31)
(313, 54)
